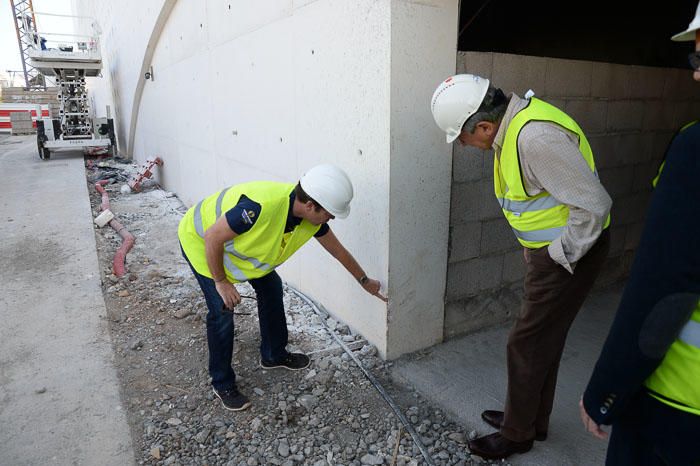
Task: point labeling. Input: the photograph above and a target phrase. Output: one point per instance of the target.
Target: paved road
(59, 396)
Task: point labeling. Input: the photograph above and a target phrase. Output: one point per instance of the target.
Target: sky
(9, 50)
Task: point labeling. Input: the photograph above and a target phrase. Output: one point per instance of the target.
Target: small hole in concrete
(280, 139)
(312, 52)
(359, 151)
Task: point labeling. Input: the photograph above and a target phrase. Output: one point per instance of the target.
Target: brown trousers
(552, 299)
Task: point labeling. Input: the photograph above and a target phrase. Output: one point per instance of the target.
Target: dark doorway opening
(624, 32)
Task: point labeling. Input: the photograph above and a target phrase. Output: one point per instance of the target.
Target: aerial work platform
(69, 59)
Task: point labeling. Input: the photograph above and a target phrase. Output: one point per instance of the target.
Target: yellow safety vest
(256, 252)
(676, 382)
(535, 220)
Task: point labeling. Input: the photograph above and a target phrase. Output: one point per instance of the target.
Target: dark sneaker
(232, 400)
(293, 362)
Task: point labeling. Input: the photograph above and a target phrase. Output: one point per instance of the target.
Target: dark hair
(302, 197)
(491, 109)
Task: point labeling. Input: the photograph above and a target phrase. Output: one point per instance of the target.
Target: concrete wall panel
(629, 114)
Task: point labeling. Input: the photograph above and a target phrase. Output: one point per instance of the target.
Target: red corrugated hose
(118, 263)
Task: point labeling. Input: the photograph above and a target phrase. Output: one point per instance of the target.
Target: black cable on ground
(371, 378)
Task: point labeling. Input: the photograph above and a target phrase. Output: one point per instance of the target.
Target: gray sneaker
(233, 400)
(292, 362)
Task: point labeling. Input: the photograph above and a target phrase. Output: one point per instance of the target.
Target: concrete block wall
(629, 113)
(16, 95)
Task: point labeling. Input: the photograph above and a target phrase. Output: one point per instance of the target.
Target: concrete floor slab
(468, 375)
(59, 395)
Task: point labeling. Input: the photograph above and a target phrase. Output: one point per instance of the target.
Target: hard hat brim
(342, 214)
(684, 36)
(689, 34)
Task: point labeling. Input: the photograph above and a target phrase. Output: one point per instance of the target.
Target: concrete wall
(126, 28)
(629, 114)
(264, 90)
(423, 48)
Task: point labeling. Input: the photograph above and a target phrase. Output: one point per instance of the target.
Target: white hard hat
(330, 187)
(455, 100)
(689, 34)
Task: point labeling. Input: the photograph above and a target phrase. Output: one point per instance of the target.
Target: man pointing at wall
(243, 233)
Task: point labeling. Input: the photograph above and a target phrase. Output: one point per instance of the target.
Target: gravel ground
(329, 414)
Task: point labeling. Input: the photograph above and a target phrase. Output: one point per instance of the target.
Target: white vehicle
(70, 58)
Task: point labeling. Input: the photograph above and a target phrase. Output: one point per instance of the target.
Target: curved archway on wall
(162, 19)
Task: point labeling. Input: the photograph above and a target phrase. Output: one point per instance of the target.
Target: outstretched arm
(331, 244)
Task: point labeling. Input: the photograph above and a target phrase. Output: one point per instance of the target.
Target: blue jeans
(273, 326)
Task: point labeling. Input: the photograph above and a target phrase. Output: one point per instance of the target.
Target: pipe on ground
(118, 263)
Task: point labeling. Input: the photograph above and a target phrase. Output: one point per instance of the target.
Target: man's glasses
(694, 60)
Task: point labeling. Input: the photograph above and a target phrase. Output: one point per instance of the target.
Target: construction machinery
(69, 59)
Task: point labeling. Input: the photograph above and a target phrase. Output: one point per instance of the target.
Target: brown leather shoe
(496, 446)
(495, 419)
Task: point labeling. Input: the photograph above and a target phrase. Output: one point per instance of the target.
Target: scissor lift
(71, 58)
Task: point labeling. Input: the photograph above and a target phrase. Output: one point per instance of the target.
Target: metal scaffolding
(27, 37)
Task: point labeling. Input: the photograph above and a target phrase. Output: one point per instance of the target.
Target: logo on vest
(248, 216)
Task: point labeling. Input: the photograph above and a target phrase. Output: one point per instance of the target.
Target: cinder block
(514, 266)
(479, 63)
(568, 78)
(468, 163)
(473, 276)
(464, 205)
(600, 79)
(630, 209)
(643, 176)
(647, 141)
(610, 81)
(559, 103)
(465, 241)
(590, 114)
(634, 234)
(659, 146)
(617, 181)
(617, 238)
(659, 115)
(496, 237)
(488, 204)
(19, 117)
(646, 82)
(629, 148)
(625, 115)
(686, 112)
(518, 73)
(679, 85)
(603, 147)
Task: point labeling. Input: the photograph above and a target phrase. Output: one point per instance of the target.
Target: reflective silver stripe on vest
(198, 225)
(519, 207)
(549, 234)
(233, 270)
(219, 200)
(228, 247)
(690, 334)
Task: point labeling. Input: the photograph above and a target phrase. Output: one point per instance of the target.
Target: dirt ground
(327, 415)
